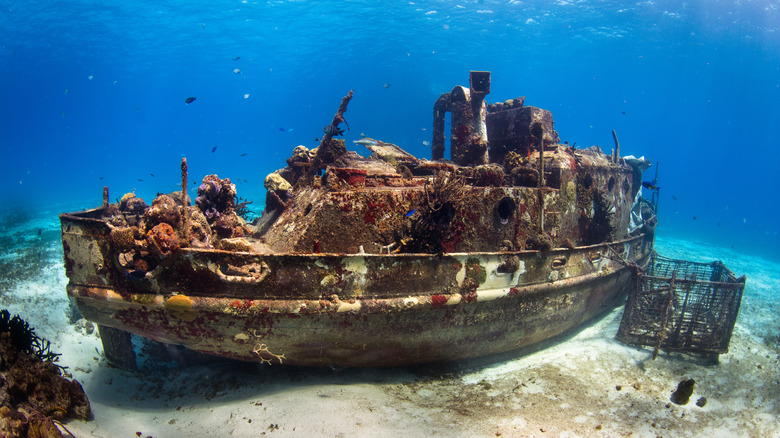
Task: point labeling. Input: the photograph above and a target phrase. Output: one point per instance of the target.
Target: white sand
(587, 384)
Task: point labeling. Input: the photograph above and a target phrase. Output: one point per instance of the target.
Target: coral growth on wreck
(216, 197)
(428, 228)
(147, 234)
(144, 236)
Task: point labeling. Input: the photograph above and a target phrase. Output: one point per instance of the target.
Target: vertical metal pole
(538, 132)
(185, 199)
(616, 156)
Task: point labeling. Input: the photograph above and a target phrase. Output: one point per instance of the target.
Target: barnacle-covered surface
(442, 260)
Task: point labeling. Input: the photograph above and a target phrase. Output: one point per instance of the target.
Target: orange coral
(180, 306)
(162, 239)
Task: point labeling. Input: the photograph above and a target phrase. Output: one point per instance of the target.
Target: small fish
(246, 96)
(362, 134)
(411, 212)
(203, 25)
(152, 175)
(136, 275)
(189, 100)
(623, 112)
(317, 139)
(139, 179)
(242, 154)
(67, 90)
(236, 58)
(291, 130)
(214, 149)
(101, 178)
(674, 197)
(90, 77)
(385, 85)
(650, 186)
(236, 71)
(365, 142)
(332, 130)
(694, 218)
(426, 143)
(282, 129)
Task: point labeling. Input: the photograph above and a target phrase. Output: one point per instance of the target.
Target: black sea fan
(600, 228)
(23, 337)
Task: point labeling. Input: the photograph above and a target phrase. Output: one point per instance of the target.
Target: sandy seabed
(583, 384)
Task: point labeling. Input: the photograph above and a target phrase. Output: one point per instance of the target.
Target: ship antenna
(655, 200)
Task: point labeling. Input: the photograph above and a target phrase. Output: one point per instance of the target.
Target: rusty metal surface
(350, 310)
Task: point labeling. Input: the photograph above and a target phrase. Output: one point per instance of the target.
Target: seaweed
(242, 209)
(24, 339)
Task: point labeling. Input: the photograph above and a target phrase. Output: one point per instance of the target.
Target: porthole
(505, 209)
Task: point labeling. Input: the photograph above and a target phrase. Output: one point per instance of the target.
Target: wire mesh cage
(679, 305)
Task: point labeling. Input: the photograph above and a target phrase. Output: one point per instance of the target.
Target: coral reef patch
(34, 395)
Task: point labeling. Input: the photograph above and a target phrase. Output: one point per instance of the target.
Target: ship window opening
(559, 262)
(587, 181)
(504, 209)
(611, 183)
(442, 215)
(553, 179)
(626, 185)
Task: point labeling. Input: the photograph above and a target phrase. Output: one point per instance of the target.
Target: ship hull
(373, 310)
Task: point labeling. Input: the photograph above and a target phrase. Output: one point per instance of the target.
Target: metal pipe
(479, 87)
(440, 109)
(616, 155)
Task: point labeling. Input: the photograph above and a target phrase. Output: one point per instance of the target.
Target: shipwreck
(384, 260)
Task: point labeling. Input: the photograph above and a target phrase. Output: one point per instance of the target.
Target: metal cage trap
(682, 306)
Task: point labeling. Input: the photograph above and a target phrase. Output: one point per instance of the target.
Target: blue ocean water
(92, 93)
